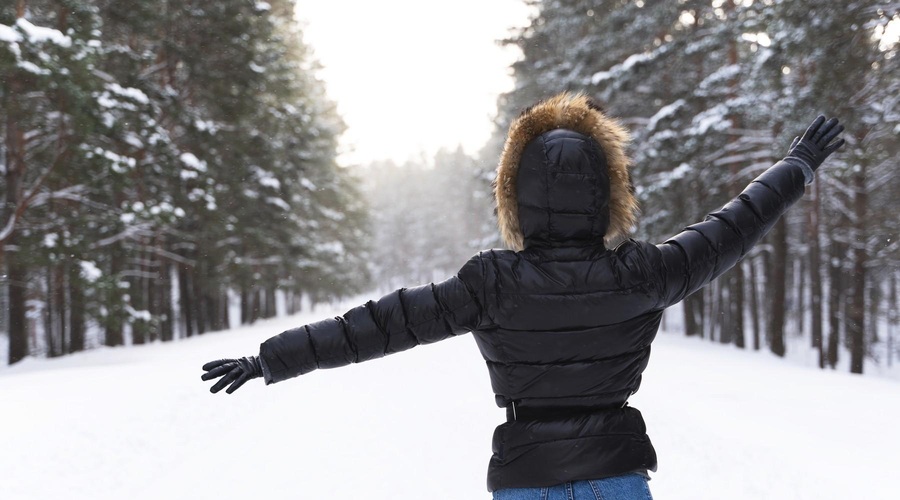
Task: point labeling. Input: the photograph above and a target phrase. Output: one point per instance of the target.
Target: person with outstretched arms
(564, 319)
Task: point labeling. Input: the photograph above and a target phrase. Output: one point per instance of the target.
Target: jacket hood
(563, 176)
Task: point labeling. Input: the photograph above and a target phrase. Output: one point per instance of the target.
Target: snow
(33, 68)
(108, 119)
(192, 161)
(333, 247)
(628, 64)
(90, 271)
(271, 182)
(266, 178)
(334, 215)
(195, 194)
(761, 38)
(717, 77)
(714, 118)
(664, 112)
(133, 140)
(139, 315)
(308, 184)
(132, 93)
(278, 202)
(665, 179)
(206, 126)
(624, 67)
(40, 34)
(188, 174)
(120, 164)
(138, 423)
(9, 35)
(50, 240)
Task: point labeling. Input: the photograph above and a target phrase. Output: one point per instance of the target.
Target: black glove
(235, 371)
(816, 145)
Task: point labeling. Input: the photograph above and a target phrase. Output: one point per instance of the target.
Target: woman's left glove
(817, 144)
(232, 371)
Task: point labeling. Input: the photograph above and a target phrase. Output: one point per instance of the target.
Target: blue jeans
(627, 487)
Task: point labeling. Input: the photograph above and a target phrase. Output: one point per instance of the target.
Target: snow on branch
(40, 34)
(665, 112)
(140, 229)
(628, 64)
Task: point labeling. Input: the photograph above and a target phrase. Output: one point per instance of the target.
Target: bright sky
(412, 76)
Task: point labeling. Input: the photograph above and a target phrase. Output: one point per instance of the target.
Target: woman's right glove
(810, 150)
(232, 371)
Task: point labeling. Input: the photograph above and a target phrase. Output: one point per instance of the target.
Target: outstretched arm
(398, 321)
(703, 251)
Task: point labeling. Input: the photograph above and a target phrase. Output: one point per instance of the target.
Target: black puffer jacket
(564, 323)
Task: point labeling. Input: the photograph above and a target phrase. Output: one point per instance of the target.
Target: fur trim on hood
(572, 112)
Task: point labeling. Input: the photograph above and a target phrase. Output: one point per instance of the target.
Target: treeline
(714, 92)
(161, 161)
(428, 216)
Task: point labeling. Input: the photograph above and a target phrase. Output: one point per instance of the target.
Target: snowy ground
(138, 423)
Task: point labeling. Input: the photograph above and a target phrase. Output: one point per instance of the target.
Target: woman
(564, 323)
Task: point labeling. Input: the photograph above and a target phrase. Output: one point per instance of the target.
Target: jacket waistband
(528, 413)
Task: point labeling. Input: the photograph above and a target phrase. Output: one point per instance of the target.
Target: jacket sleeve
(396, 322)
(703, 251)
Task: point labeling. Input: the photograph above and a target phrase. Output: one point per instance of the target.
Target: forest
(162, 161)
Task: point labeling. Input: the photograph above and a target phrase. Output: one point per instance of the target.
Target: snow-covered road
(138, 423)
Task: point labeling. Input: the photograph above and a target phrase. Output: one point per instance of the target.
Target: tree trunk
(164, 289)
(114, 333)
(754, 305)
(815, 274)
(856, 312)
(736, 305)
(891, 320)
(271, 308)
(185, 299)
(289, 303)
(776, 287)
(17, 276)
(139, 327)
(710, 311)
(226, 305)
(799, 285)
(77, 315)
(723, 321)
(693, 321)
(16, 264)
(57, 296)
(835, 299)
(733, 328)
(200, 299)
(49, 339)
(873, 304)
(245, 305)
(255, 299)
(151, 289)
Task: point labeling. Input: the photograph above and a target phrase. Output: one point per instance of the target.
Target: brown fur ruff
(571, 112)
